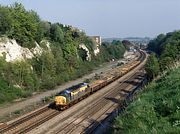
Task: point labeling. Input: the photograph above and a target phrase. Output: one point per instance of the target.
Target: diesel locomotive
(80, 91)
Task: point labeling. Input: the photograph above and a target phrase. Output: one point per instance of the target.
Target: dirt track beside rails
(37, 98)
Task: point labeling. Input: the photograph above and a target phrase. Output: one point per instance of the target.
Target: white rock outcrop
(96, 51)
(13, 51)
(37, 50)
(88, 57)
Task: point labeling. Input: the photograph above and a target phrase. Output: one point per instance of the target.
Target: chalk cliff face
(12, 51)
(37, 50)
(96, 51)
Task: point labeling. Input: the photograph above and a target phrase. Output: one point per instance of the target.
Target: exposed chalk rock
(37, 50)
(96, 51)
(13, 51)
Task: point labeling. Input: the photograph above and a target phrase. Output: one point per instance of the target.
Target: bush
(156, 110)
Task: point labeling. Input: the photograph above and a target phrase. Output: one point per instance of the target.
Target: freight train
(74, 94)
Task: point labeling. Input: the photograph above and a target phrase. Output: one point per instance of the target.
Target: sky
(110, 18)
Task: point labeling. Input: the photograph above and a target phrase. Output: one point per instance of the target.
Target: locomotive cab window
(63, 93)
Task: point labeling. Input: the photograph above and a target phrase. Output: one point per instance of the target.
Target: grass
(155, 111)
(9, 93)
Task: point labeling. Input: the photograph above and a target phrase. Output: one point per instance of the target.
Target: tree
(165, 62)
(56, 33)
(19, 24)
(43, 31)
(152, 66)
(167, 47)
(63, 61)
(70, 55)
(170, 50)
(5, 20)
(23, 75)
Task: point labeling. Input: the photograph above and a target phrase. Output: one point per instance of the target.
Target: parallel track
(95, 107)
(28, 123)
(79, 120)
(94, 125)
(24, 119)
(37, 118)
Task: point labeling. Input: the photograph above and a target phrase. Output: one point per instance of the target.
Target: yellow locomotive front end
(60, 101)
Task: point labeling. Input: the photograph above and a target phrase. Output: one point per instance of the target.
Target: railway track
(76, 125)
(96, 108)
(100, 118)
(21, 120)
(37, 118)
(28, 123)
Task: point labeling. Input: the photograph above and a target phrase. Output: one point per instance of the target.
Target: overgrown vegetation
(155, 111)
(63, 62)
(166, 50)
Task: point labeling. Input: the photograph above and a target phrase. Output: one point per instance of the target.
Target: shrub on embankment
(166, 53)
(156, 110)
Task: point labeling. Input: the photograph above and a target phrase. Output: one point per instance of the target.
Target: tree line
(155, 109)
(165, 52)
(63, 62)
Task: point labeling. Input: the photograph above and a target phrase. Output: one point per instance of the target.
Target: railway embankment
(155, 109)
(107, 124)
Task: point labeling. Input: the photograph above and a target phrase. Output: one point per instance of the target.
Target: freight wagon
(75, 93)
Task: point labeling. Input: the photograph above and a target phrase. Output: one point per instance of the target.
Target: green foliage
(9, 92)
(23, 75)
(156, 111)
(113, 51)
(152, 66)
(70, 54)
(24, 25)
(156, 44)
(167, 47)
(43, 31)
(165, 62)
(60, 62)
(44, 67)
(56, 33)
(5, 20)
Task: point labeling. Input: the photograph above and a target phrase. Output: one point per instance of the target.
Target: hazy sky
(110, 18)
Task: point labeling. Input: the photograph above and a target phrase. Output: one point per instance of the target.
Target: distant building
(97, 39)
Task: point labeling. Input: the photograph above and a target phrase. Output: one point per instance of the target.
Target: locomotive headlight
(60, 100)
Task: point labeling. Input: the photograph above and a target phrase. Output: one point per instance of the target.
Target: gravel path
(36, 98)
